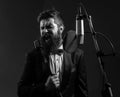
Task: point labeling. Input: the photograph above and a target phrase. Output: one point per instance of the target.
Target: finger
(57, 84)
(55, 79)
(55, 76)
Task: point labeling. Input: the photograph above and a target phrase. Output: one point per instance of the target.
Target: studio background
(19, 28)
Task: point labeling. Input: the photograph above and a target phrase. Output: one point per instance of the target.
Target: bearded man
(50, 69)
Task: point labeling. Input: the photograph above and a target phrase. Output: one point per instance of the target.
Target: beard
(51, 42)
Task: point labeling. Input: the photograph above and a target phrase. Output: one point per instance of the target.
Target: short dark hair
(52, 13)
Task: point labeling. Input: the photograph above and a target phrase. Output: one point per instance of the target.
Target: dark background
(19, 28)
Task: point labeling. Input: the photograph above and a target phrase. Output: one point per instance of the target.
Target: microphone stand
(106, 91)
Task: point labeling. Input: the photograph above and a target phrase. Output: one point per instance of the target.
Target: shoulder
(35, 50)
(33, 53)
(70, 41)
(77, 54)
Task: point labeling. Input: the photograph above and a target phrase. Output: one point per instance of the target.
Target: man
(51, 70)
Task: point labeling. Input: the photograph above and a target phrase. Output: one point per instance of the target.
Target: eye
(49, 26)
(42, 28)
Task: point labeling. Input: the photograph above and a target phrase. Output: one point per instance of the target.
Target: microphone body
(80, 27)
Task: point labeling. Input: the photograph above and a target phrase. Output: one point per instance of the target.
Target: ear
(61, 28)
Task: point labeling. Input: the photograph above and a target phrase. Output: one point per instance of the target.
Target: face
(48, 26)
(50, 33)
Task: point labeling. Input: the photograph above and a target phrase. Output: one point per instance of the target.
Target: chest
(43, 68)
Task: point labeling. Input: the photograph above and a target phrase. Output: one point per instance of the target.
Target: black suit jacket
(36, 72)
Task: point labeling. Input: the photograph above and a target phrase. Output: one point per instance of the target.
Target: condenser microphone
(80, 27)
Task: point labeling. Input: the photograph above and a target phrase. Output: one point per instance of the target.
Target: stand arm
(106, 91)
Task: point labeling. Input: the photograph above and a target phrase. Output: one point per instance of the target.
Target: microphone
(80, 26)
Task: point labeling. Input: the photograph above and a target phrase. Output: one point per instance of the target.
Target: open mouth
(46, 37)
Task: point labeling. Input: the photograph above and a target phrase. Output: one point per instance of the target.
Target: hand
(56, 80)
(52, 82)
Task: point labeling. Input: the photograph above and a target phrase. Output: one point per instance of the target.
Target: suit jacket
(36, 72)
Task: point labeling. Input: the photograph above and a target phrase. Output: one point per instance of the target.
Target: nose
(45, 30)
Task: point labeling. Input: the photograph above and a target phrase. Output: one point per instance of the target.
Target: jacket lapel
(66, 69)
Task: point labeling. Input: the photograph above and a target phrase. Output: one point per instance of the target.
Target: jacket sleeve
(81, 87)
(26, 86)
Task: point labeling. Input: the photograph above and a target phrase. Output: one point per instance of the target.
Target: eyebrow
(47, 26)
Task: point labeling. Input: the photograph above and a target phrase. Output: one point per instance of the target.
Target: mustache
(50, 35)
(47, 36)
